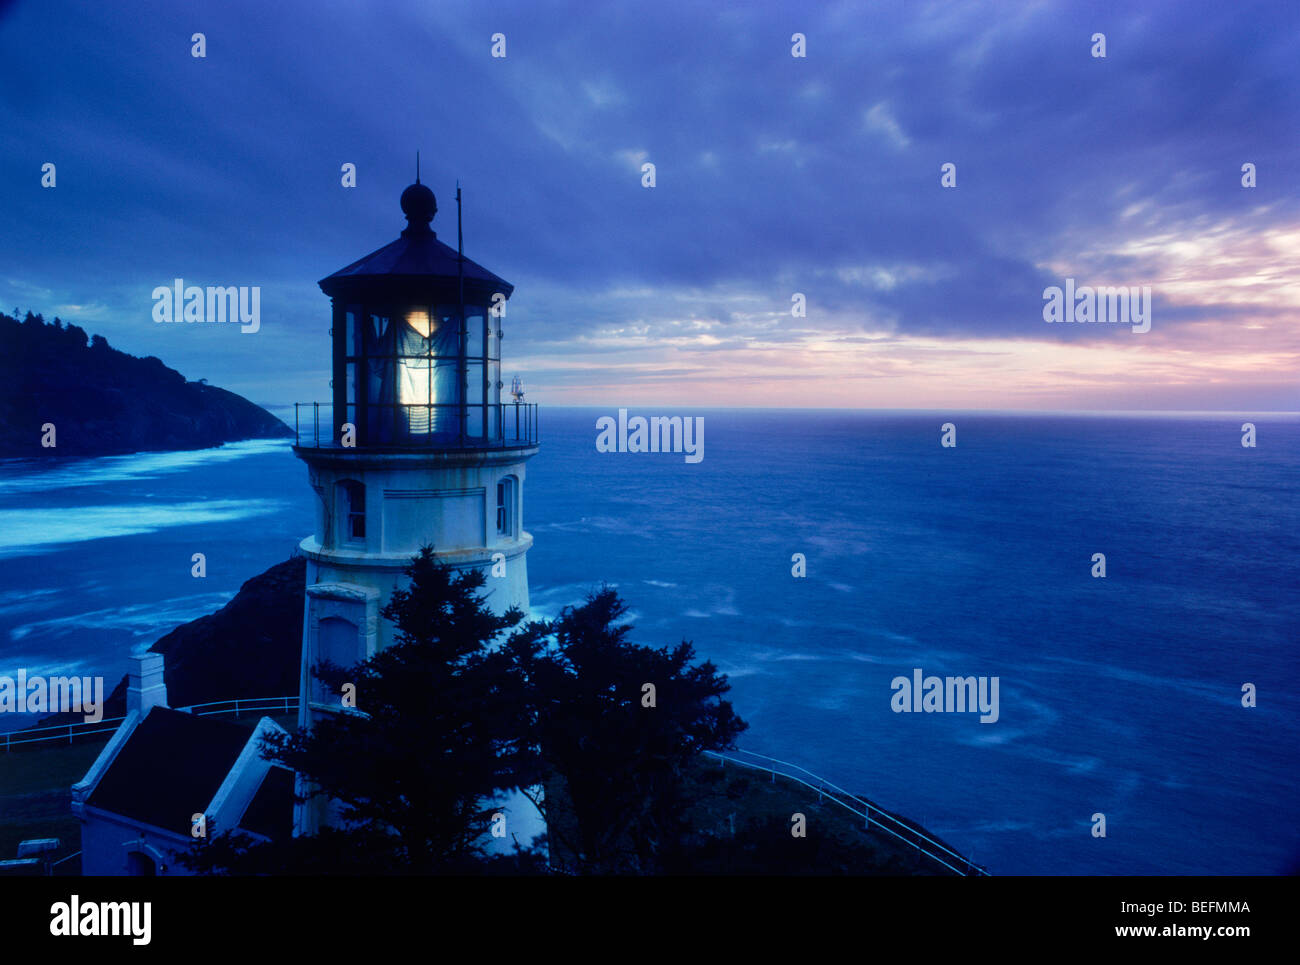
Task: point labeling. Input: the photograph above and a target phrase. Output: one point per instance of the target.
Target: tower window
(505, 506)
(352, 495)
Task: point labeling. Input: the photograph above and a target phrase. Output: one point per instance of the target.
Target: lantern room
(417, 332)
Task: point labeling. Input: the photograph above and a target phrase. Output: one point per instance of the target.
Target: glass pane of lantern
(418, 421)
(444, 383)
(445, 421)
(379, 381)
(494, 381)
(474, 383)
(474, 422)
(414, 375)
(351, 321)
(447, 334)
(474, 331)
(378, 427)
(378, 335)
(444, 339)
(413, 381)
(419, 321)
(351, 382)
(494, 338)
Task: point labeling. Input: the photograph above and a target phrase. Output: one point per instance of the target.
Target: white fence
(65, 733)
(870, 814)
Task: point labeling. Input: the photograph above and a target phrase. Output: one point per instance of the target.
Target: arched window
(352, 511)
(507, 490)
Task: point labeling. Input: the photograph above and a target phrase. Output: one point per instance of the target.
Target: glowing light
(419, 320)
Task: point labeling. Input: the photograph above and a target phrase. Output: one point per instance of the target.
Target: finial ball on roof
(418, 204)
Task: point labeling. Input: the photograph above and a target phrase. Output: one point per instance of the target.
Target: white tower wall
(447, 499)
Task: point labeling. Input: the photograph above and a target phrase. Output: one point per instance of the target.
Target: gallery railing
(502, 425)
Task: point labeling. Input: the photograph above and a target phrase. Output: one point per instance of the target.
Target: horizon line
(810, 408)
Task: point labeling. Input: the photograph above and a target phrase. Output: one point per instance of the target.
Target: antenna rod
(417, 167)
(464, 334)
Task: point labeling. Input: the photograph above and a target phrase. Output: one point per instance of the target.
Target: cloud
(775, 174)
(881, 121)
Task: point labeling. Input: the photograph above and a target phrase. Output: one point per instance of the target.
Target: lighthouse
(415, 447)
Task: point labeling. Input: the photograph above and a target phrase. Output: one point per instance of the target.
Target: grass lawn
(36, 796)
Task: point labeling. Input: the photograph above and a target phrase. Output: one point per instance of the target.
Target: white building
(162, 768)
(416, 447)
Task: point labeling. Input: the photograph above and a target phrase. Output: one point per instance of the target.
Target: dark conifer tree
(439, 727)
(621, 723)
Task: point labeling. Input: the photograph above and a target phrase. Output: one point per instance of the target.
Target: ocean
(1119, 696)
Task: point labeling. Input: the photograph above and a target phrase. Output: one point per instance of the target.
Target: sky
(774, 175)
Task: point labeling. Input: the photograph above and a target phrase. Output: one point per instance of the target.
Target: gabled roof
(170, 768)
(270, 813)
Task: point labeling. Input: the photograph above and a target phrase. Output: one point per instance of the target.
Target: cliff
(251, 647)
(105, 402)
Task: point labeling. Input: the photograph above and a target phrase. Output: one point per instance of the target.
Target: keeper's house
(142, 799)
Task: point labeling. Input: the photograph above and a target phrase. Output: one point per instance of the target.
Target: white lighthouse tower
(416, 447)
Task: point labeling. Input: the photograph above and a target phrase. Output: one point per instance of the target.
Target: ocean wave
(747, 670)
(31, 475)
(143, 620)
(724, 607)
(570, 592)
(989, 737)
(25, 532)
(998, 826)
(612, 525)
(840, 546)
(1206, 691)
(41, 665)
(17, 601)
(722, 611)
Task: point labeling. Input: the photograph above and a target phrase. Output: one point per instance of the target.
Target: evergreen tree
(622, 747)
(438, 728)
(451, 714)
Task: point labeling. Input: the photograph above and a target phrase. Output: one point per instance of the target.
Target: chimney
(144, 684)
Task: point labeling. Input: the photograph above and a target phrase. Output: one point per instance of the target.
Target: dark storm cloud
(775, 174)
